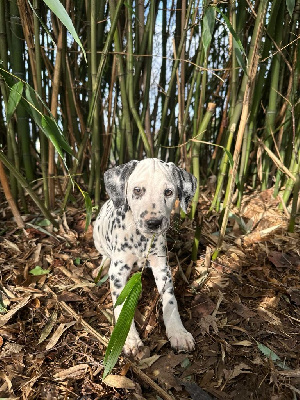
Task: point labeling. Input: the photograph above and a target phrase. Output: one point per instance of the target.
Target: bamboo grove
(211, 85)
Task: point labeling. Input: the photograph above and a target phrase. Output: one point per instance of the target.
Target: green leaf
(239, 49)
(88, 208)
(290, 6)
(15, 96)
(58, 9)
(127, 289)
(229, 155)
(271, 355)
(122, 327)
(44, 222)
(208, 27)
(102, 280)
(77, 261)
(239, 57)
(53, 133)
(39, 271)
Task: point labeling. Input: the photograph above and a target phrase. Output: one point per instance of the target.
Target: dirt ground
(243, 311)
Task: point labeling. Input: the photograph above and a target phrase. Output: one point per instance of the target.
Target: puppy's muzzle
(154, 224)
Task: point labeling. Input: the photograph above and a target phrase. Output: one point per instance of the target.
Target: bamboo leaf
(229, 155)
(15, 96)
(273, 356)
(53, 133)
(88, 208)
(239, 56)
(122, 327)
(127, 289)
(290, 6)
(208, 27)
(239, 49)
(58, 9)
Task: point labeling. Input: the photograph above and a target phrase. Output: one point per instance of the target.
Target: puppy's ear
(186, 185)
(115, 180)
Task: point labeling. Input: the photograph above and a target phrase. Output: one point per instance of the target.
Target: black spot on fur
(117, 284)
(143, 214)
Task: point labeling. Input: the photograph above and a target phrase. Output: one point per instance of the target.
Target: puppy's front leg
(118, 274)
(180, 338)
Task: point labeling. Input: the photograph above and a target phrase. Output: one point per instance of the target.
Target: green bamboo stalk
(234, 70)
(94, 98)
(12, 150)
(294, 168)
(38, 63)
(172, 80)
(148, 73)
(96, 148)
(126, 121)
(235, 118)
(54, 106)
(17, 65)
(252, 70)
(196, 79)
(291, 227)
(131, 84)
(196, 152)
(271, 112)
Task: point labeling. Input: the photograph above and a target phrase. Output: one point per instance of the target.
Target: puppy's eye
(168, 192)
(137, 191)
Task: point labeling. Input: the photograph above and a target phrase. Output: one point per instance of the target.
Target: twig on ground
(161, 392)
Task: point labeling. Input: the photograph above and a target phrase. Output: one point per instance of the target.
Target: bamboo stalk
(18, 69)
(54, 106)
(94, 98)
(38, 63)
(252, 70)
(96, 148)
(172, 80)
(271, 112)
(9, 197)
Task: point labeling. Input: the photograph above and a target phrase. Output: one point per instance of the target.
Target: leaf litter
(243, 311)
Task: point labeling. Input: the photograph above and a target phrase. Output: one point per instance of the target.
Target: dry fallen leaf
(147, 362)
(245, 343)
(72, 372)
(241, 368)
(119, 382)
(5, 318)
(208, 321)
(57, 334)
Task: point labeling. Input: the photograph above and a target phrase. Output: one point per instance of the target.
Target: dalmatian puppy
(142, 196)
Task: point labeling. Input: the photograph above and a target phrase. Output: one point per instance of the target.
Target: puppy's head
(150, 188)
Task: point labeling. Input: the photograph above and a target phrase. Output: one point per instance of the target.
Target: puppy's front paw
(181, 340)
(132, 345)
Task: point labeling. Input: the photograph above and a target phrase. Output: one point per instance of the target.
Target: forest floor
(243, 311)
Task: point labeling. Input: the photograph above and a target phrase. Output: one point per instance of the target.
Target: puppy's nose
(154, 223)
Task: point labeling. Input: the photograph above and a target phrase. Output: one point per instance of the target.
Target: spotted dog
(142, 195)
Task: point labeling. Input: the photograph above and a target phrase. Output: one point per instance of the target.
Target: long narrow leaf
(208, 27)
(52, 132)
(290, 6)
(14, 98)
(239, 49)
(121, 329)
(58, 9)
(127, 289)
